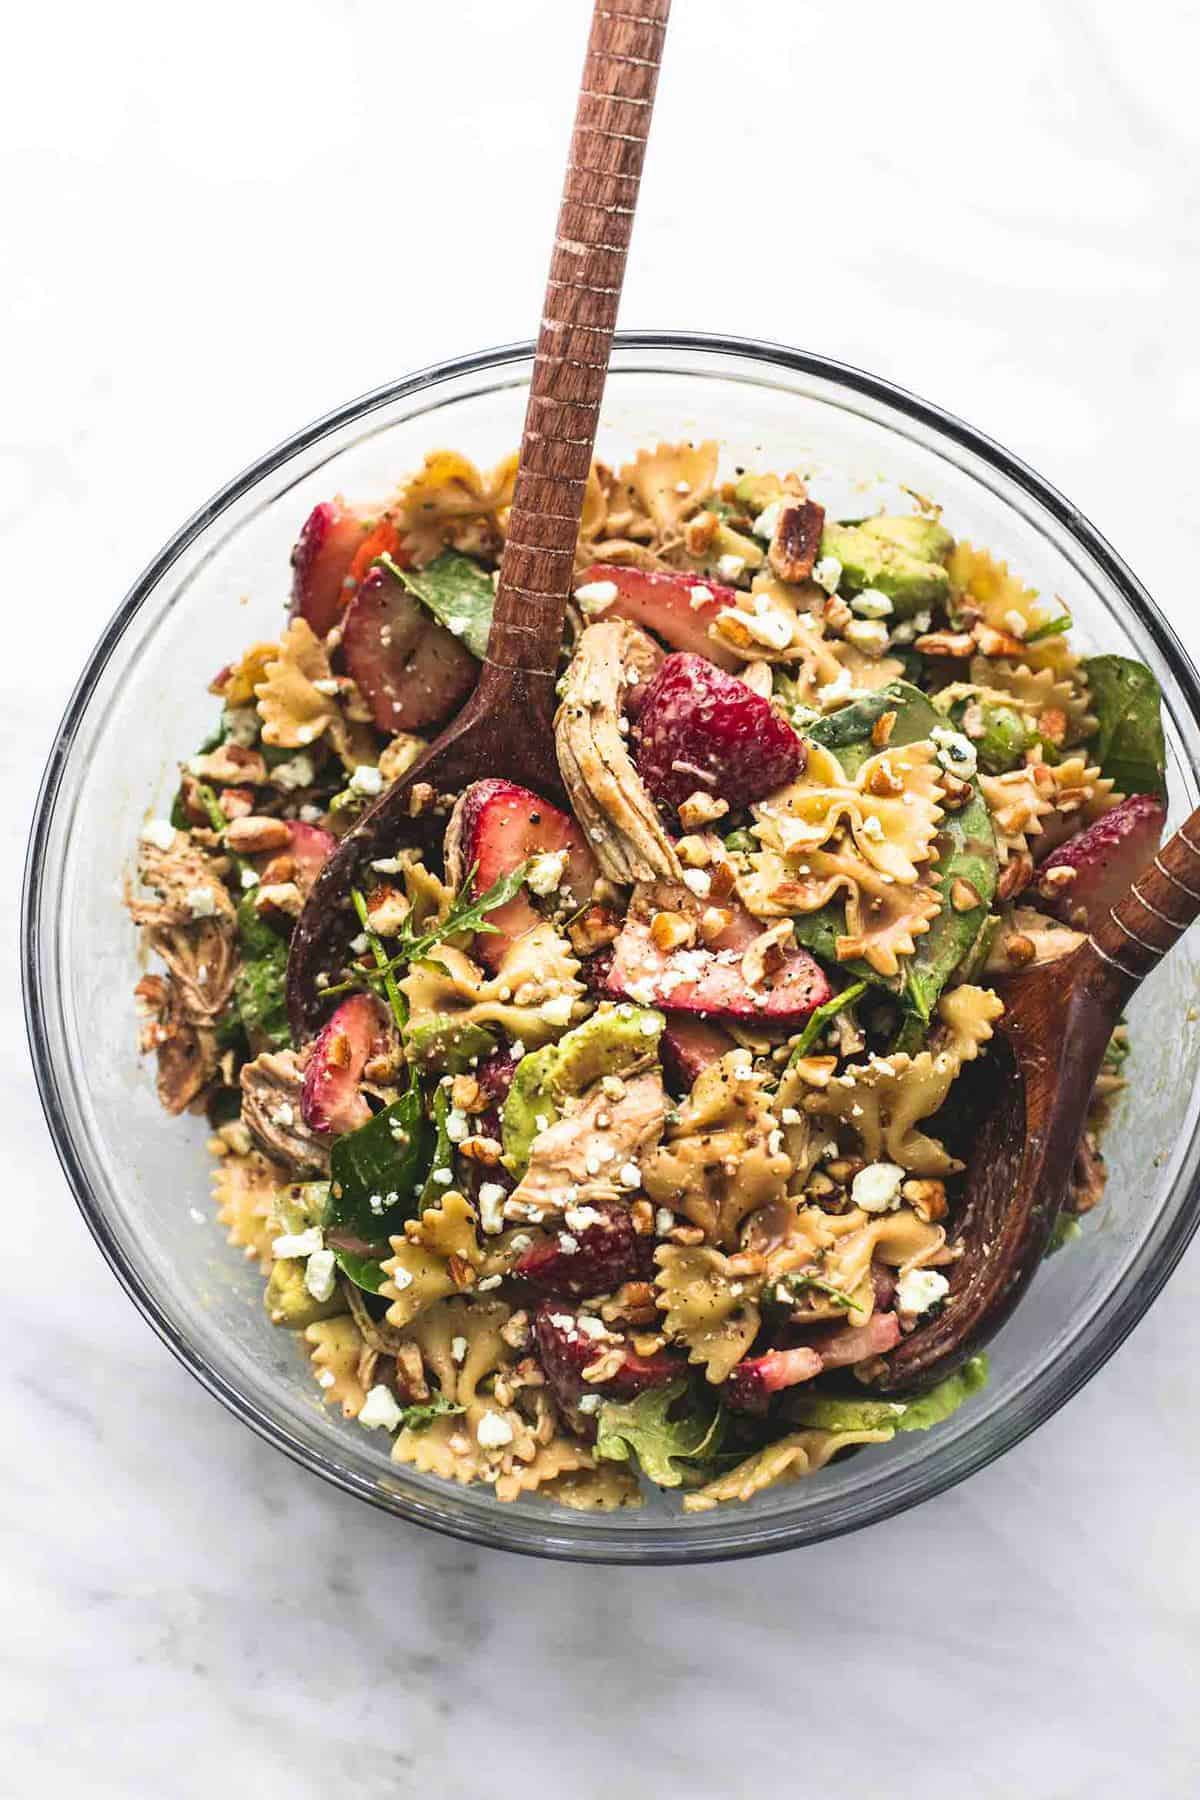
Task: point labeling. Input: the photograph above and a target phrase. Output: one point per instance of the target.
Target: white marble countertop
(226, 223)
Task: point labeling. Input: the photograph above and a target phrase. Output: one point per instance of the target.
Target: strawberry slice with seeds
(595, 1251)
(750, 1384)
(330, 1100)
(702, 730)
(707, 979)
(321, 560)
(495, 827)
(411, 671)
(675, 607)
(688, 1046)
(1103, 861)
(570, 1339)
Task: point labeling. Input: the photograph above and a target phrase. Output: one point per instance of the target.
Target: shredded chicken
(589, 1155)
(271, 1087)
(192, 926)
(606, 791)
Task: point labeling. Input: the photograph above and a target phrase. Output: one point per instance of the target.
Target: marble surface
(224, 223)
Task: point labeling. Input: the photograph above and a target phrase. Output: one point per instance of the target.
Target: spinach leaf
(365, 1272)
(420, 1416)
(1129, 744)
(259, 987)
(641, 1428)
(382, 1161)
(458, 593)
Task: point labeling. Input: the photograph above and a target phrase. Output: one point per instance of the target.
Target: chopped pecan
(796, 540)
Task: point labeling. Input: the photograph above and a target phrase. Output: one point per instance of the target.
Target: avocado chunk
(609, 1043)
(301, 1205)
(755, 492)
(288, 1301)
(871, 557)
(448, 1044)
(925, 539)
(1004, 739)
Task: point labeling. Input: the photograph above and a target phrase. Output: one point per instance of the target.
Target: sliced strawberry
(708, 979)
(321, 561)
(1103, 861)
(565, 1351)
(842, 1345)
(675, 607)
(688, 1046)
(594, 1252)
(411, 671)
(330, 1100)
(494, 828)
(750, 1384)
(703, 730)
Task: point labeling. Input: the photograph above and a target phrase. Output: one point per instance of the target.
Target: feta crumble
(731, 568)
(920, 1289)
(320, 1275)
(159, 832)
(871, 604)
(955, 751)
(827, 573)
(545, 872)
(379, 1409)
(595, 596)
(491, 1207)
(202, 902)
(366, 780)
(299, 1243)
(493, 1431)
(877, 1187)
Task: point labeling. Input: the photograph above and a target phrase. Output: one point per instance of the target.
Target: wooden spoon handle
(587, 269)
(1158, 908)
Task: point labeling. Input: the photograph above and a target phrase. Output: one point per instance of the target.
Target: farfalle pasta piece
(724, 1156)
(1004, 601)
(838, 1249)
(672, 481)
(449, 501)
(461, 1341)
(890, 808)
(606, 1487)
(294, 711)
(706, 1306)
(1045, 801)
(419, 1271)
(1040, 694)
(552, 1462)
(524, 998)
(244, 1189)
(788, 1459)
(883, 916)
(881, 1101)
(336, 1350)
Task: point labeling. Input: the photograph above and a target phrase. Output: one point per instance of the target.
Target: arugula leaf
(641, 1428)
(816, 1022)
(1052, 628)
(443, 1152)
(419, 1417)
(1129, 744)
(365, 1272)
(793, 1286)
(259, 986)
(384, 1158)
(468, 913)
(395, 998)
(458, 592)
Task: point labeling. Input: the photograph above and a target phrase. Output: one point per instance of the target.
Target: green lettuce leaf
(259, 987)
(641, 1428)
(829, 1413)
(1129, 745)
(458, 592)
(387, 1156)
(420, 1416)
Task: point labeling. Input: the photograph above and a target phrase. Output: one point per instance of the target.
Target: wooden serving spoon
(1039, 1073)
(506, 727)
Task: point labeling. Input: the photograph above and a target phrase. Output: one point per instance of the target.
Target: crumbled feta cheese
(629, 1175)
(366, 780)
(388, 865)
(664, 1221)
(955, 751)
(545, 872)
(458, 1349)
(360, 943)
(877, 1187)
(320, 1274)
(491, 1206)
(567, 1244)
(309, 814)
(1015, 623)
(299, 1243)
(592, 1327)
(730, 567)
(698, 880)
(871, 604)
(202, 902)
(493, 1431)
(832, 693)
(296, 772)
(519, 1242)
(516, 1049)
(159, 832)
(827, 573)
(241, 725)
(699, 596)
(868, 635)
(558, 1010)
(400, 1279)
(919, 1289)
(790, 1115)
(284, 1114)
(380, 1409)
(595, 596)
(765, 625)
(326, 684)
(589, 1403)
(651, 1026)
(872, 828)
(458, 1126)
(768, 519)
(580, 1217)
(443, 1177)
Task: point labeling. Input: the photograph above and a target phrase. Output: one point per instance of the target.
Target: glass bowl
(141, 1178)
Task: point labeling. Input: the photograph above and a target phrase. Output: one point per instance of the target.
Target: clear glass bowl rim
(1104, 1333)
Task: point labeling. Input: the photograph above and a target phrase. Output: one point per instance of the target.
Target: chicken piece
(187, 1053)
(192, 924)
(590, 1155)
(271, 1089)
(607, 793)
